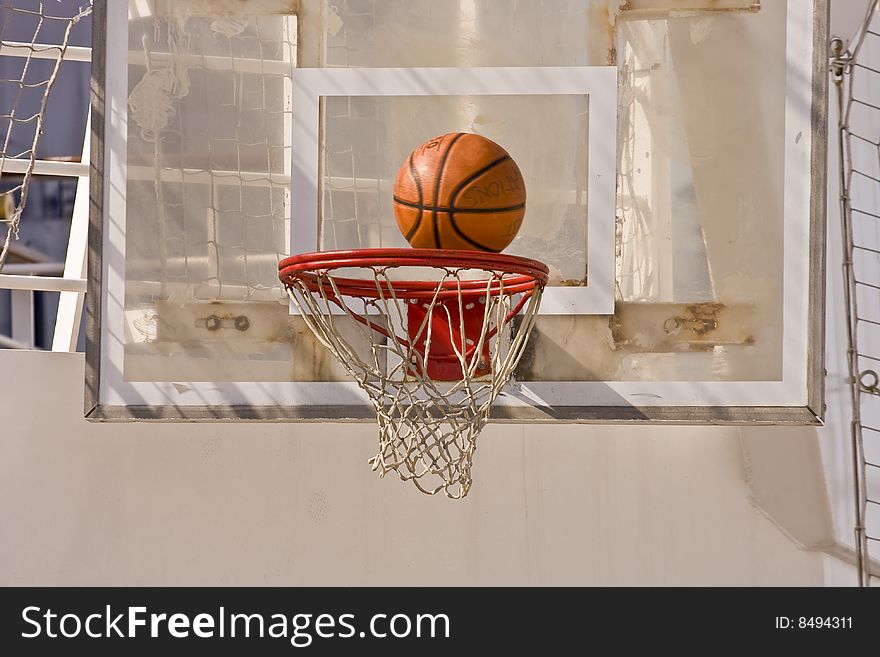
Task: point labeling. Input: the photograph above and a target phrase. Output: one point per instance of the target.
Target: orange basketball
(459, 191)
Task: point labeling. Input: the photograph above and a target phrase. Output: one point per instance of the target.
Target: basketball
(459, 191)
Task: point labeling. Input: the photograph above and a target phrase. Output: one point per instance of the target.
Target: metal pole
(841, 71)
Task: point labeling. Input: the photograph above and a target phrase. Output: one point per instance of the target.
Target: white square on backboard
(599, 83)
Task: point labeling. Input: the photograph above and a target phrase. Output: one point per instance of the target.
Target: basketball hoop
(442, 342)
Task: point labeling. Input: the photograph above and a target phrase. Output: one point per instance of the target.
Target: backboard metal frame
(525, 404)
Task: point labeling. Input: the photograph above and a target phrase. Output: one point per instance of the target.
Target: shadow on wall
(784, 472)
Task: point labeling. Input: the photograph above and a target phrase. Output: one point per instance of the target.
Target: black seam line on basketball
(420, 206)
(452, 199)
(467, 239)
(464, 237)
(437, 181)
(467, 181)
(415, 206)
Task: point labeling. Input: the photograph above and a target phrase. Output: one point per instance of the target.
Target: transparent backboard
(696, 287)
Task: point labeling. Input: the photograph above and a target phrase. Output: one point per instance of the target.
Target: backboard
(673, 152)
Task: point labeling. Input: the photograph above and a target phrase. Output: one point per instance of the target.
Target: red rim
(518, 274)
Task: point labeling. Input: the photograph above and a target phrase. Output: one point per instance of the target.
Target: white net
(418, 333)
(32, 61)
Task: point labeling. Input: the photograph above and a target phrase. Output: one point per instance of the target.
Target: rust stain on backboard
(571, 282)
(665, 327)
(597, 348)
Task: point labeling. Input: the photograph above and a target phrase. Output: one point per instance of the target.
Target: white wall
(84, 503)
